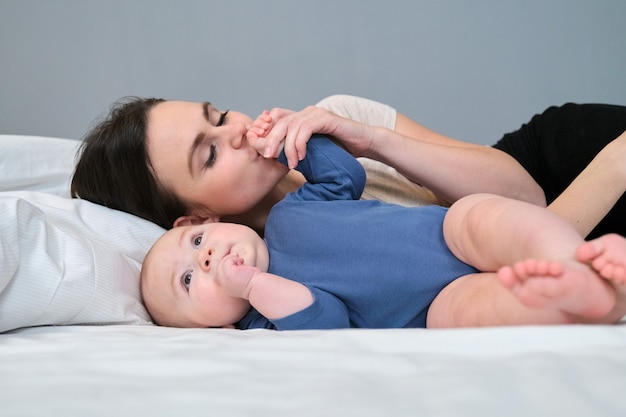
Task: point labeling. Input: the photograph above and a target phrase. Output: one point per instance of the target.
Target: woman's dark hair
(114, 169)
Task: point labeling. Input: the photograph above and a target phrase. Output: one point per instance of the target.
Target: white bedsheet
(155, 371)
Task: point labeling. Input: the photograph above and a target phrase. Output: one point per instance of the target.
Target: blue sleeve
(254, 320)
(326, 312)
(330, 171)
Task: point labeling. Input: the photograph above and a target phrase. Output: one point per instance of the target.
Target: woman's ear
(193, 219)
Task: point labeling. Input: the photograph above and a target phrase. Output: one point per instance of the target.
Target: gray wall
(472, 69)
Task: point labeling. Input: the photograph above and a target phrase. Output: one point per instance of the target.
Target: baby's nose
(204, 258)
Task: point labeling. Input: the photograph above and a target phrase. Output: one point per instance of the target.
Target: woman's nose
(238, 134)
(204, 258)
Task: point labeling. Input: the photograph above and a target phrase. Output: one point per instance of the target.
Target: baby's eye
(197, 240)
(186, 280)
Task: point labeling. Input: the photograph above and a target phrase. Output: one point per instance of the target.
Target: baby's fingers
(262, 124)
(255, 141)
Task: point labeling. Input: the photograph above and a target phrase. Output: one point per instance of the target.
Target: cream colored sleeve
(361, 109)
(383, 183)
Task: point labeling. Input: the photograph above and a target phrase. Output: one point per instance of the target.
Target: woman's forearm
(595, 191)
(451, 168)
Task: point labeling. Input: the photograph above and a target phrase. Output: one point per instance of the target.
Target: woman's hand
(292, 130)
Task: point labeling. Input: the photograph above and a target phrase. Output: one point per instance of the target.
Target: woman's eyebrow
(205, 110)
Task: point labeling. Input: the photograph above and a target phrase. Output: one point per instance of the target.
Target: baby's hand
(261, 127)
(235, 277)
(258, 130)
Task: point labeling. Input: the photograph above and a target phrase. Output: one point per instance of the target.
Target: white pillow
(64, 261)
(37, 163)
(67, 261)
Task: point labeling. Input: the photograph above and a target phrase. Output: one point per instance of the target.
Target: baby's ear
(193, 219)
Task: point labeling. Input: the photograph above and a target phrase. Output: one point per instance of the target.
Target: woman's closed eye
(222, 119)
(210, 161)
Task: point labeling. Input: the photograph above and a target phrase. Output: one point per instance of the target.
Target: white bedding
(155, 371)
(131, 368)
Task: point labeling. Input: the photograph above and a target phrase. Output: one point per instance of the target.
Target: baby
(330, 260)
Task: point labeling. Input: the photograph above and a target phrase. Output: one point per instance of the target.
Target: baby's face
(180, 283)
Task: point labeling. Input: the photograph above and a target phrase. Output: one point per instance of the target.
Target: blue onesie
(368, 264)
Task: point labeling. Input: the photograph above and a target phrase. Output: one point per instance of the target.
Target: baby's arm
(273, 296)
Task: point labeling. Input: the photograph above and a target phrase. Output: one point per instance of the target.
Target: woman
(190, 163)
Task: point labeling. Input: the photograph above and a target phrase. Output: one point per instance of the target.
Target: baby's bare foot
(568, 286)
(607, 256)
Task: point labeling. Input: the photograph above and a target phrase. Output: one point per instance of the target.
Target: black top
(555, 146)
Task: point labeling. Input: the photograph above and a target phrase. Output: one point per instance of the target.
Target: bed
(75, 339)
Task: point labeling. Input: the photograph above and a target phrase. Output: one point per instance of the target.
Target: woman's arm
(594, 192)
(452, 168)
(448, 167)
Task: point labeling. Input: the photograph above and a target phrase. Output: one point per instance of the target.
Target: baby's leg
(567, 286)
(491, 232)
(479, 300)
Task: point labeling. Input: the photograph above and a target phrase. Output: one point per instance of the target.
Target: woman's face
(203, 157)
